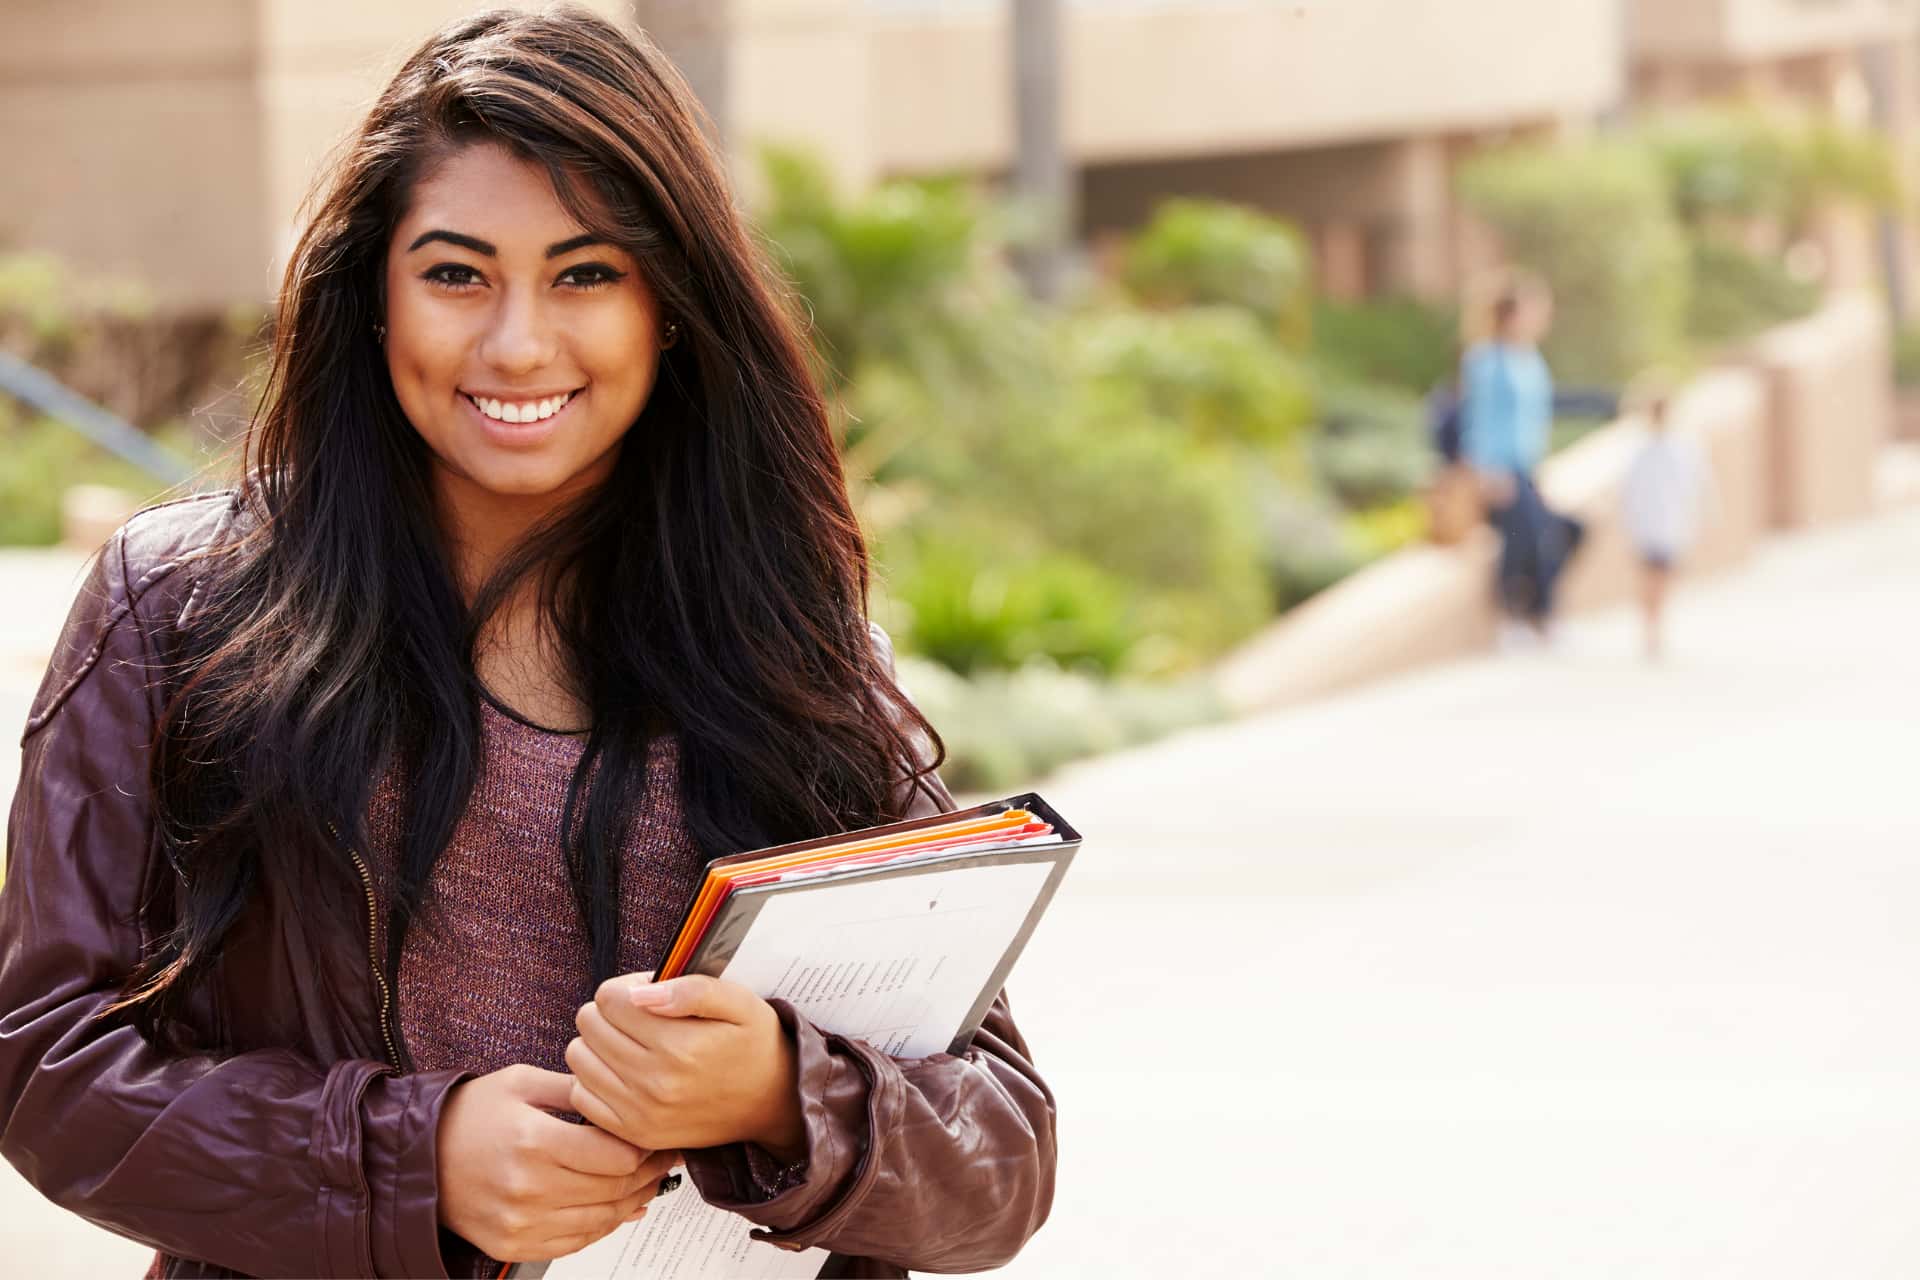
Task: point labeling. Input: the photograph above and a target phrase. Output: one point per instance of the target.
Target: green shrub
(1006, 730)
(1401, 342)
(1385, 529)
(969, 608)
(1212, 373)
(1306, 545)
(1595, 222)
(909, 273)
(1372, 446)
(1203, 252)
(41, 459)
(110, 343)
(1720, 164)
(1906, 357)
(1741, 163)
(1736, 294)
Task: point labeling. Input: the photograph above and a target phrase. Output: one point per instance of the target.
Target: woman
(354, 798)
(1508, 420)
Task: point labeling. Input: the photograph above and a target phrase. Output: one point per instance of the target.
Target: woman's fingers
(593, 1071)
(537, 1088)
(596, 1111)
(570, 1230)
(569, 1189)
(584, 1148)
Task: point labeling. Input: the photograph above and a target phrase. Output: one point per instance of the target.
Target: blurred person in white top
(1666, 494)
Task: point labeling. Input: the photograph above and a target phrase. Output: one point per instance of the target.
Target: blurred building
(1348, 115)
(176, 141)
(1832, 54)
(1856, 60)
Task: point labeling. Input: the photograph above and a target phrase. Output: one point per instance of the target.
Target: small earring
(380, 333)
(672, 335)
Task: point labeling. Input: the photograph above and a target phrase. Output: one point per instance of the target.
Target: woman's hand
(691, 1062)
(526, 1186)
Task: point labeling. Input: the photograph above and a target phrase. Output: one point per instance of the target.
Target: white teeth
(531, 411)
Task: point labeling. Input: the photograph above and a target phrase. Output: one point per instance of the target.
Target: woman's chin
(516, 477)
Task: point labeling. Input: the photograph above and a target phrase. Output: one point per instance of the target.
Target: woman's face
(521, 349)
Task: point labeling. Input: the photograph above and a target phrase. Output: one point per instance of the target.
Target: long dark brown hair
(714, 587)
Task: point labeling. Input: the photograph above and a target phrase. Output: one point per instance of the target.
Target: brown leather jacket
(297, 1148)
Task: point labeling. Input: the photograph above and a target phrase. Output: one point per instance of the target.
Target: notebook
(899, 935)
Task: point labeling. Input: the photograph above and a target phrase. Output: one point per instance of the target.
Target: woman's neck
(482, 527)
(517, 658)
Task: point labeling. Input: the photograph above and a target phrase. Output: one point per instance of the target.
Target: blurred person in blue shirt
(1507, 421)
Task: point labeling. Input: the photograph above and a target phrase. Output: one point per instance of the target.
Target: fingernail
(649, 996)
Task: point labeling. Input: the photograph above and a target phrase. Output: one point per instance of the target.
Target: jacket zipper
(373, 952)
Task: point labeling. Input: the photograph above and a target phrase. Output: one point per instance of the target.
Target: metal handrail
(40, 390)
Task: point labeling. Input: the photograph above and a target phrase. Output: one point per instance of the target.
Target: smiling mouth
(521, 412)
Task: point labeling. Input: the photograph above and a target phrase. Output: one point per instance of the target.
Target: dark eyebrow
(482, 247)
(454, 237)
(568, 246)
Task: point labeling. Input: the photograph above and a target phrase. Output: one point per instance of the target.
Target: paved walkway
(1558, 966)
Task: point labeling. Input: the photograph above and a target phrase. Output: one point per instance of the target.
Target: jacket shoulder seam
(130, 595)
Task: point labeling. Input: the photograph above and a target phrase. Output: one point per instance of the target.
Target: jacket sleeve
(265, 1162)
(938, 1164)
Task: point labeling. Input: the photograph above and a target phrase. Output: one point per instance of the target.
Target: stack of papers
(900, 936)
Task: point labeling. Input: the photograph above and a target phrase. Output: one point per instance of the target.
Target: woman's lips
(520, 435)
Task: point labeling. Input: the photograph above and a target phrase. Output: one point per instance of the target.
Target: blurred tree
(1196, 252)
(1595, 221)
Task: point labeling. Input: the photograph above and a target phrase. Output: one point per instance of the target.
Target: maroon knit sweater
(496, 963)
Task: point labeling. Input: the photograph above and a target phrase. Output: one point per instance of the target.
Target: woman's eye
(590, 275)
(451, 275)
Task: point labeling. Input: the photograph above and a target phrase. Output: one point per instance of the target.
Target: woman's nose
(521, 338)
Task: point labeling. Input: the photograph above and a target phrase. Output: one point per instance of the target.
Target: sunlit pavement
(1558, 964)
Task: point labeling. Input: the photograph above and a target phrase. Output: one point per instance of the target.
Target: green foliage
(1738, 162)
(971, 609)
(1906, 357)
(1210, 372)
(1401, 342)
(1737, 294)
(1006, 729)
(41, 459)
(1305, 543)
(1596, 223)
(1372, 448)
(1385, 529)
(107, 340)
(1722, 164)
(1202, 252)
(905, 273)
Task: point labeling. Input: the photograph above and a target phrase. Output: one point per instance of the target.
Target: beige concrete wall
(1830, 386)
(130, 135)
(172, 144)
(1751, 30)
(1793, 433)
(1181, 80)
